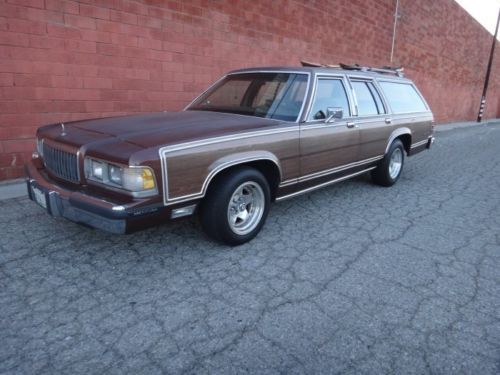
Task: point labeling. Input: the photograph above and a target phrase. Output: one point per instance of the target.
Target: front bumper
(89, 210)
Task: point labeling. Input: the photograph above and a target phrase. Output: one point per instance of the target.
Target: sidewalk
(17, 188)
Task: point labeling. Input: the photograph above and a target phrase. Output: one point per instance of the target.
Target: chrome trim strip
(208, 88)
(342, 122)
(167, 200)
(421, 143)
(326, 172)
(227, 138)
(323, 184)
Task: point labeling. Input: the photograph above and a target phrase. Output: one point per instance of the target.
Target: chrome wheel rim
(395, 163)
(246, 208)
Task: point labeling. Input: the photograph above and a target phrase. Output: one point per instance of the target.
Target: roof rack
(398, 71)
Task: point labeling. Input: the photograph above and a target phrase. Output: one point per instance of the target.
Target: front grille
(61, 163)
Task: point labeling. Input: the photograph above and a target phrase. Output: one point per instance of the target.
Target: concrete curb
(464, 124)
(13, 189)
(17, 188)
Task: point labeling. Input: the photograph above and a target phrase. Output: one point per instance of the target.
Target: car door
(326, 147)
(373, 122)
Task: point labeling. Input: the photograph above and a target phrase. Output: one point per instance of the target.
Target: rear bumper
(89, 210)
(430, 142)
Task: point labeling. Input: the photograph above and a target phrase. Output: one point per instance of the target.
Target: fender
(396, 133)
(239, 158)
(221, 164)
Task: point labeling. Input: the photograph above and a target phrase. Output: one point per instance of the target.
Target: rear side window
(402, 97)
(366, 101)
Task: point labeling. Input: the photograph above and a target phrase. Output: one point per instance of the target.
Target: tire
(236, 206)
(389, 169)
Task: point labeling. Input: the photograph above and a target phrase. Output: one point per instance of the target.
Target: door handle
(388, 120)
(351, 124)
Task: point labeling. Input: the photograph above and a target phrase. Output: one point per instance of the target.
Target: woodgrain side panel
(187, 170)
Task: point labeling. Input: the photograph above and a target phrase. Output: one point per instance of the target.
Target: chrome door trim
(330, 171)
(323, 184)
(421, 143)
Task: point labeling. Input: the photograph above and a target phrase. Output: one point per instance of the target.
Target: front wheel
(236, 206)
(390, 167)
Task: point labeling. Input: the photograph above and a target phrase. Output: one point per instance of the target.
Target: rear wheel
(389, 169)
(236, 206)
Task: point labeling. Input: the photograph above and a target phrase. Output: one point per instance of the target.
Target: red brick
(67, 82)
(41, 15)
(114, 95)
(79, 22)
(80, 59)
(27, 26)
(63, 32)
(28, 3)
(6, 79)
(38, 41)
(96, 36)
(98, 106)
(97, 83)
(94, 12)
(14, 39)
(127, 107)
(123, 17)
(11, 173)
(80, 46)
(149, 43)
(65, 6)
(149, 22)
(20, 132)
(124, 40)
(32, 80)
(134, 7)
(27, 145)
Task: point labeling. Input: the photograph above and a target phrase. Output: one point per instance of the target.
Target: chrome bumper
(81, 208)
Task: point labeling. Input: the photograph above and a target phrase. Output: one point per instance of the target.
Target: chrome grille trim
(61, 163)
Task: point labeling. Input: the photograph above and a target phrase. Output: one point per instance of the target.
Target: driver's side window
(329, 93)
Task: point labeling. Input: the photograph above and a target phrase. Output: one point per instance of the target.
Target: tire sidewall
(397, 144)
(221, 194)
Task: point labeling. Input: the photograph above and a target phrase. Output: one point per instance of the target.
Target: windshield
(271, 95)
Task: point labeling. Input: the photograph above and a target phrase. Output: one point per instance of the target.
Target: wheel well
(406, 139)
(268, 168)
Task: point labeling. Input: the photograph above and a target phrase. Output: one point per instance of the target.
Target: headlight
(97, 169)
(115, 174)
(140, 181)
(39, 146)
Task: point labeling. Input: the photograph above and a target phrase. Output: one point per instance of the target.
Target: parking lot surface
(353, 278)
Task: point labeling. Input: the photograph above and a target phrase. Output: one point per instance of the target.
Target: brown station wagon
(255, 136)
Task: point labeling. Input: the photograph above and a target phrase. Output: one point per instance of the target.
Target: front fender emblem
(63, 130)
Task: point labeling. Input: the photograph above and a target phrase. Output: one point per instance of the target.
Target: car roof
(320, 70)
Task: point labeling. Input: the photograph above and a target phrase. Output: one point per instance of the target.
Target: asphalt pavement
(353, 278)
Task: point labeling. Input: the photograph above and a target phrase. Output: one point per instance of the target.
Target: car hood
(129, 134)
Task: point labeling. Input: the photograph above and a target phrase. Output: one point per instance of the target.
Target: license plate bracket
(39, 196)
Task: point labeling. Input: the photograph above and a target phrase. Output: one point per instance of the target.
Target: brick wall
(63, 60)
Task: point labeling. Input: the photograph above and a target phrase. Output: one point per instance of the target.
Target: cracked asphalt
(353, 278)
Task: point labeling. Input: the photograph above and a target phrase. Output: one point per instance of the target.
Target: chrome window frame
(354, 78)
(312, 96)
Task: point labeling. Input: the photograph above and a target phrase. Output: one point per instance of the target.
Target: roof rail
(398, 71)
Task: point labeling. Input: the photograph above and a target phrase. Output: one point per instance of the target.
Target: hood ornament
(63, 130)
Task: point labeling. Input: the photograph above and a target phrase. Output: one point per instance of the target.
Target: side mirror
(334, 113)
